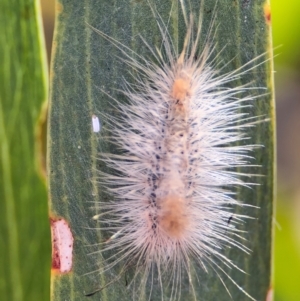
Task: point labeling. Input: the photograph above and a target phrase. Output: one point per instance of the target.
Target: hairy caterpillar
(181, 140)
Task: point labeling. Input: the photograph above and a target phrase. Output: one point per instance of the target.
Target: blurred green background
(286, 35)
(286, 41)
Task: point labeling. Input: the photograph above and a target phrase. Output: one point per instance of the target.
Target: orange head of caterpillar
(181, 89)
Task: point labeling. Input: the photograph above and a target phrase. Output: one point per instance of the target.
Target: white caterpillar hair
(172, 182)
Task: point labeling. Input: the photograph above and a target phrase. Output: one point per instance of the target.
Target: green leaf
(83, 65)
(25, 236)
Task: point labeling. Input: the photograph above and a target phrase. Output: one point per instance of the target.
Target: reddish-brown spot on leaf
(267, 12)
(62, 245)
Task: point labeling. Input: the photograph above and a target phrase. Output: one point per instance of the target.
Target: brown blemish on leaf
(267, 13)
(58, 7)
(62, 246)
(40, 140)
